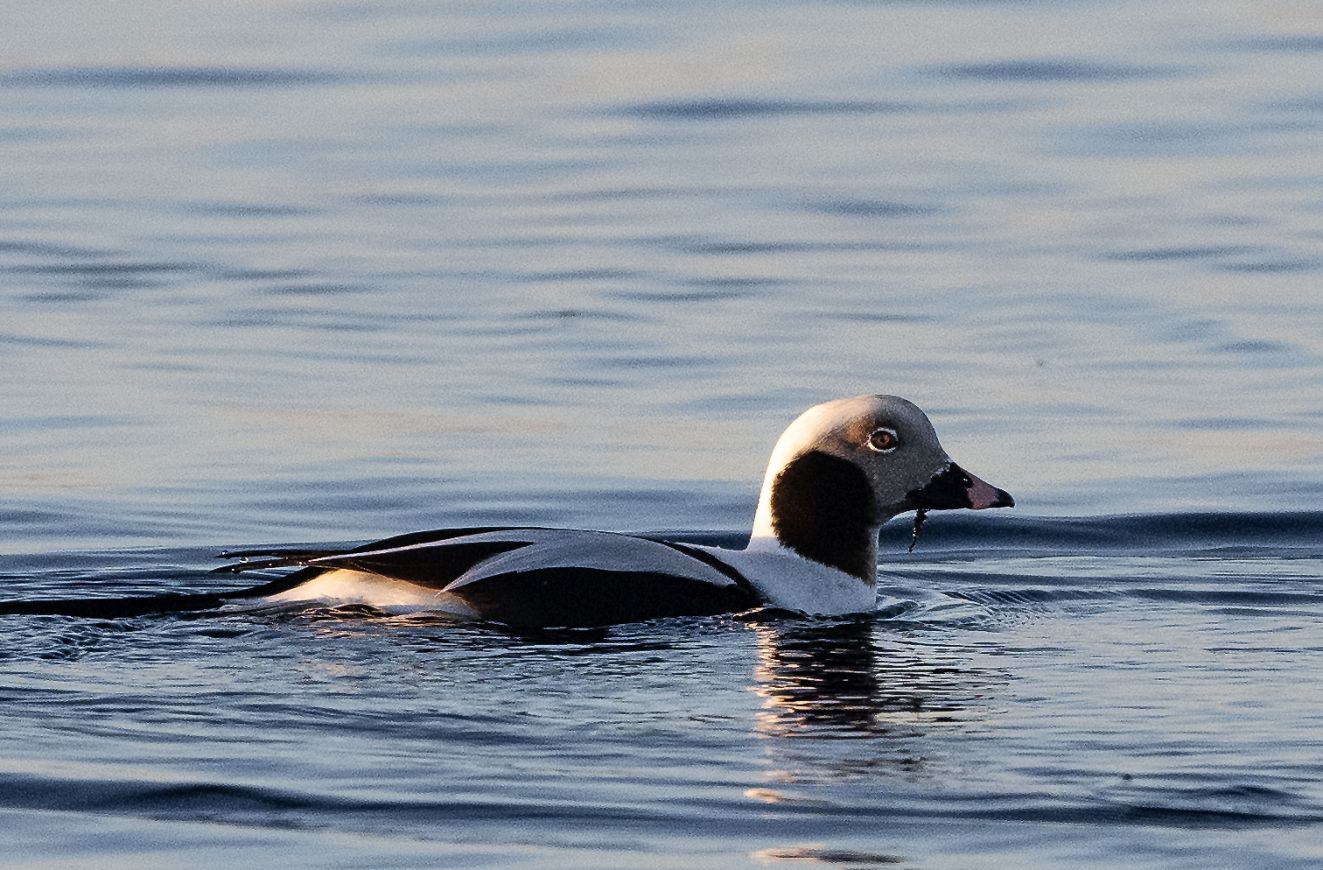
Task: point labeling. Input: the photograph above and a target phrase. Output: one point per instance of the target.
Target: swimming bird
(841, 470)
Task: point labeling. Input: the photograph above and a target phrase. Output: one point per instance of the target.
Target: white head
(845, 467)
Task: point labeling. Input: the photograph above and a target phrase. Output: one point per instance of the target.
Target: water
(315, 272)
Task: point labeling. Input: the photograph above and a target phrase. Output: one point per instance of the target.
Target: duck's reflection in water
(858, 718)
(862, 677)
(866, 699)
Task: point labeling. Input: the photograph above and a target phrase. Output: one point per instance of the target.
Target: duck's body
(837, 474)
(529, 576)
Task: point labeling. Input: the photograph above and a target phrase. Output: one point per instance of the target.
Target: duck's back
(525, 577)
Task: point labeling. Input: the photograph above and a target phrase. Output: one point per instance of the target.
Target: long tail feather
(168, 602)
(247, 562)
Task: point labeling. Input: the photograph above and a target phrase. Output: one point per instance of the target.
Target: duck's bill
(953, 487)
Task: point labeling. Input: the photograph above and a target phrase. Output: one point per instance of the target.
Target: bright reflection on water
(285, 272)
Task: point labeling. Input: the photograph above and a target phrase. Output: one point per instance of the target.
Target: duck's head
(843, 468)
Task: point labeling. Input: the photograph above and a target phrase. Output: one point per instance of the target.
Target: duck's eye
(883, 440)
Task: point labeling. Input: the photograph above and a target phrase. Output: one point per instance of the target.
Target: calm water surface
(313, 272)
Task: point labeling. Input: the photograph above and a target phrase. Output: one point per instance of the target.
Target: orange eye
(883, 440)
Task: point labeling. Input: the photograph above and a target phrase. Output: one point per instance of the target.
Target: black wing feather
(585, 597)
(281, 557)
(426, 566)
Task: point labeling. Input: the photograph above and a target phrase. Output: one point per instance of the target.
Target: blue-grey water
(288, 272)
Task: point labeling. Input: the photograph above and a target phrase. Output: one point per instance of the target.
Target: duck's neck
(822, 508)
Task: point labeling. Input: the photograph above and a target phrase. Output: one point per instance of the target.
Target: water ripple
(164, 77)
(1054, 71)
(743, 108)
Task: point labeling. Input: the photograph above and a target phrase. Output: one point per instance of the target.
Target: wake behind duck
(841, 470)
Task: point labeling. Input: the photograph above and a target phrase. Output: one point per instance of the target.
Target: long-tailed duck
(841, 470)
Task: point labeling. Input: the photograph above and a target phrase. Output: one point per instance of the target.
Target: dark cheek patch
(823, 508)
